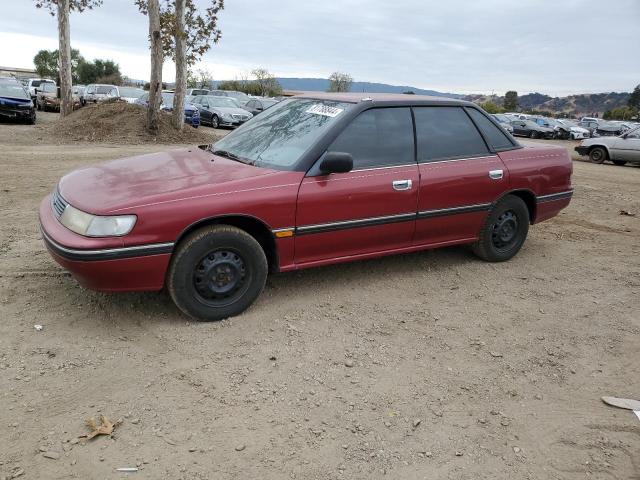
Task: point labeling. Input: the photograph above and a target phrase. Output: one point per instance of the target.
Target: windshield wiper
(227, 154)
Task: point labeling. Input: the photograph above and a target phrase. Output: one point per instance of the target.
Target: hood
(15, 102)
(231, 110)
(121, 185)
(579, 130)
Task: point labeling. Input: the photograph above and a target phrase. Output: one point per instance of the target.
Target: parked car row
(564, 129)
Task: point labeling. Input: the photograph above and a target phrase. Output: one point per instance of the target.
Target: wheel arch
(528, 197)
(601, 145)
(250, 224)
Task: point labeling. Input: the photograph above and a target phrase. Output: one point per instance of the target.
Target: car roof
(359, 97)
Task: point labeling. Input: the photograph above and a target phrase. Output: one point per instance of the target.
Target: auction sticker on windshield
(325, 110)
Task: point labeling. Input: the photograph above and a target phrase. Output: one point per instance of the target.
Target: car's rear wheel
(597, 155)
(215, 121)
(217, 272)
(619, 163)
(504, 231)
(533, 134)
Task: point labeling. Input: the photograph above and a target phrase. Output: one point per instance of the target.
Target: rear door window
(378, 137)
(444, 133)
(494, 135)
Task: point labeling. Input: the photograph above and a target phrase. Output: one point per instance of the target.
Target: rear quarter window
(494, 135)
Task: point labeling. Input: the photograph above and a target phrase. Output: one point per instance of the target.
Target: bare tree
(62, 8)
(180, 55)
(340, 82)
(266, 81)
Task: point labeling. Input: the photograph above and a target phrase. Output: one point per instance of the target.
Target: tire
(215, 121)
(619, 163)
(598, 155)
(32, 119)
(573, 137)
(533, 134)
(504, 231)
(228, 252)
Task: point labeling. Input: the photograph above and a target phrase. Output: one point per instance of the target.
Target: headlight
(95, 226)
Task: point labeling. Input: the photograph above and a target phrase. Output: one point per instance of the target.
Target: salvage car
(258, 105)
(191, 113)
(575, 132)
(317, 179)
(33, 83)
(15, 101)
(220, 111)
(97, 92)
(47, 97)
(619, 150)
(504, 121)
(529, 128)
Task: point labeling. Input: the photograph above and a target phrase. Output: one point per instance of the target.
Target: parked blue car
(191, 113)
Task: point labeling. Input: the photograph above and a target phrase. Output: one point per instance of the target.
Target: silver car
(98, 92)
(619, 150)
(220, 111)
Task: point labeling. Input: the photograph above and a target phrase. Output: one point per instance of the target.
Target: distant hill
(586, 103)
(322, 85)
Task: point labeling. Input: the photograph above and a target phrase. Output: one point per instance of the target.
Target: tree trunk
(64, 58)
(155, 82)
(181, 67)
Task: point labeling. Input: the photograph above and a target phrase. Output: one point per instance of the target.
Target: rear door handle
(402, 185)
(495, 174)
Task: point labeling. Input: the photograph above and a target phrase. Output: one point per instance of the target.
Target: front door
(371, 208)
(459, 176)
(627, 147)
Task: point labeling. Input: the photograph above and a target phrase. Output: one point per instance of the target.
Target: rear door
(459, 176)
(371, 208)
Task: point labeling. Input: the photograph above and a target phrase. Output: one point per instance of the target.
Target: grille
(237, 116)
(58, 203)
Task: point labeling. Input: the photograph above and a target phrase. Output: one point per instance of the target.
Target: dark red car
(314, 180)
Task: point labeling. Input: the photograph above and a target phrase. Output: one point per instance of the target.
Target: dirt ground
(432, 365)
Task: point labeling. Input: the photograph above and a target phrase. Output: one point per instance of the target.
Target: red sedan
(314, 180)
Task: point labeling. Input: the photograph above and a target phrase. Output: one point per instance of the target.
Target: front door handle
(402, 185)
(496, 174)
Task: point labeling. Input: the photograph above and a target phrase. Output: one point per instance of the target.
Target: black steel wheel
(217, 272)
(504, 231)
(598, 155)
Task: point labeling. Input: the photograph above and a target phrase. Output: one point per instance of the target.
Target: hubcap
(504, 231)
(219, 277)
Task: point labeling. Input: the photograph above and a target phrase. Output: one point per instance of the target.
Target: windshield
(48, 87)
(502, 118)
(13, 89)
(281, 135)
(222, 102)
(131, 92)
(105, 90)
(167, 98)
(238, 95)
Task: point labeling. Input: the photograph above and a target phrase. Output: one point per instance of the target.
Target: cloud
(555, 47)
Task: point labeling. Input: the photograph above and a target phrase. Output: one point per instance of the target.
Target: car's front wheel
(598, 155)
(217, 272)
(215, 121)
(504, 231)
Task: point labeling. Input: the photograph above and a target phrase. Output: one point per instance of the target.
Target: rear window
(494, 135)
(445, 133)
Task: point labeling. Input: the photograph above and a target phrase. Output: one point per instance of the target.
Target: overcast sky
(557, 47)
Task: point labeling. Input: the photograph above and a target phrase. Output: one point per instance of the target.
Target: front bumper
(18, 113)
(582, 150)
(193, 121)
(104, 264)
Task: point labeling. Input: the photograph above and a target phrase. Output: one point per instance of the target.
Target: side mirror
(336, 162)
